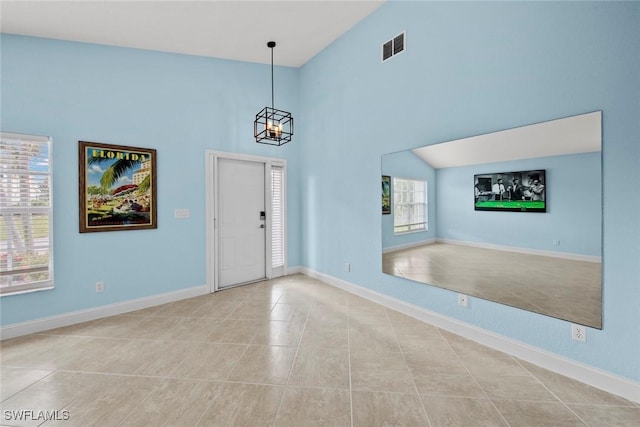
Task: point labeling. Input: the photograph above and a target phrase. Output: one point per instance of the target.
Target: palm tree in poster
(119, 168)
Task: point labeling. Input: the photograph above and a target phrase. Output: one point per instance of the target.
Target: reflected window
(409, 205)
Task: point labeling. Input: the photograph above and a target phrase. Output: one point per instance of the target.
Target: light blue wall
(472, 68)
(574, 207)
(405, 164)
(180, 105)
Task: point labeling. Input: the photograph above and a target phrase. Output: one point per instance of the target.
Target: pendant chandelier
(272, 126)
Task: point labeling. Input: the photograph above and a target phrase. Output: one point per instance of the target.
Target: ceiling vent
(393, 46)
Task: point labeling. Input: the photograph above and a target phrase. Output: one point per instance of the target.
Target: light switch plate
(181, 213)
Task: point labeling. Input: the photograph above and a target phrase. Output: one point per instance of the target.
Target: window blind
(26, 255)
(277, 217)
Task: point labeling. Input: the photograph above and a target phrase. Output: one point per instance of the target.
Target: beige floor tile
(125, 326)
(109, 399)
(336, 358)
(302, 406)
(321, 367)
(379, 338)
(13, 380)
(155, 328)
(132, 357)
(319, 333)
(449, 385)
(368, 311)
(290, 312)
(371, 409)
(420, 340)
(209, 361)
(253, 310)
(402, 321)
(192, 329)
(111, 327)
(457, 411)
(53, 393)
(539, 414)
(484, 361)
(277, 332)
(329, 314)
(515, 388)
(90, 399)
(40, 351)
(375, 371)
(572, 391)
(235, 331)
(247, 405)
(216, 309)
(97, 354)
(264, 364)
(610, 416)
(435, 362)
(174, 403)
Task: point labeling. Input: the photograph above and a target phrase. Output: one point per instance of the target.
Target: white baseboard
(563, 255)
(598, 378)
(51, 322)
(294, 270)
(407, 245)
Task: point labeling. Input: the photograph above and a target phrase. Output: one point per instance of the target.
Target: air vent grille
(387, 50)
(393, 46)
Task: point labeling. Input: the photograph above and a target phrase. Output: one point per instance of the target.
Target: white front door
(241, 222)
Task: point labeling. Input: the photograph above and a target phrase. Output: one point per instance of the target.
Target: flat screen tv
(521, 191)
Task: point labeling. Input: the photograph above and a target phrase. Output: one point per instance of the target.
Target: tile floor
(557, 287)
(287, 352)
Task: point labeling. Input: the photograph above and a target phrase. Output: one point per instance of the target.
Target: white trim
(408, 245)
(71, 318)
(597, 378)
(295, 270)
(35, 138)
(563, 255)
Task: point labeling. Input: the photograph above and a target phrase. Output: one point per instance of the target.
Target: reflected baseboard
(408, 245)
(595, 377)
(554, 254)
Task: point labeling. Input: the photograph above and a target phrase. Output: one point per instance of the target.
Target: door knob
(261, 226)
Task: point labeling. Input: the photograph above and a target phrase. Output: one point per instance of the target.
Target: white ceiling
(570, 135)
(236, 30)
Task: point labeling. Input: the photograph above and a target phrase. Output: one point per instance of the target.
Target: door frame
(211, 211)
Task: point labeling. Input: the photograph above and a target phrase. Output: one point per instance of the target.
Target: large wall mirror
(513, 216)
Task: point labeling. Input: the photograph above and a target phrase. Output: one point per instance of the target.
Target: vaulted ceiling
(236, 30)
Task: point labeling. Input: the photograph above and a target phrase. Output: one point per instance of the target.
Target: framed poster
(386, 195)
(117, 187)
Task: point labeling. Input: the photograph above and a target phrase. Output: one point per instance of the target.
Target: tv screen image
(521, 191)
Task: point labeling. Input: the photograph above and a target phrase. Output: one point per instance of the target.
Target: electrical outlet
(579, 333)
(347, 267)
(556, 242)
(99, 286)
(463, 300)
